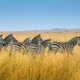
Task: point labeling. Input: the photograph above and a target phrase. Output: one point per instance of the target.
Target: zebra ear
(39, 35)
(78, 37)
(30, 38)
(1, 35)
(49, 39)
(10, 34)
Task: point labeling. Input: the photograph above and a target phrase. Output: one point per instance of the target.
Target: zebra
(13, 47)
(37, 40)
(9, 39)
(34, 49)
(65, 46)
(2, 42)
(19, 46)
(27, 41)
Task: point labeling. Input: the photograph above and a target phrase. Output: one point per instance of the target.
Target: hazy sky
(17, 15)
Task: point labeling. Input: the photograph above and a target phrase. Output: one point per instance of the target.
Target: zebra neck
(74, 42)
(45, 45)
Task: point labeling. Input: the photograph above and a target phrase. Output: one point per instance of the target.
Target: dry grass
(47, 67)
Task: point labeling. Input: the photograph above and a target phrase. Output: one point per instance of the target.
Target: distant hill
(58, 29)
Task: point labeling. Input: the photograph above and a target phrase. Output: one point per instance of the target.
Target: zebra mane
(26, 39)
(37, 36)
(45, 41)
(74, 38)
(7, 36)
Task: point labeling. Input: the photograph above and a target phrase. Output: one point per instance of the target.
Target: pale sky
(23, 15)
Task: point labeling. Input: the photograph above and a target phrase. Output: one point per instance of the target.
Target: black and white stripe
(9, 39)
(27, 41)
(64, 46)
(32, 48)
(16, 46)
(2, 42)
(37, 40)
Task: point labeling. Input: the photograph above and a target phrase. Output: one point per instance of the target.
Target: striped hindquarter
(58, 47)
(15, 47)
(39, 48)
(31, 48)
(64, 46)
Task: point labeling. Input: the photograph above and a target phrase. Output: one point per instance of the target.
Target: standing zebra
(27, 41)
(39, 48)
(9, 39)
(2, 42)
(37, 40)
(13, 47)
(64, 46)
(18, 46)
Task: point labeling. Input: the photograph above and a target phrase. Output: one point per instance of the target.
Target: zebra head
(27, 41)
(46, 43)
(78, 41)
(37, 40)
(9, 39)
(2, 40)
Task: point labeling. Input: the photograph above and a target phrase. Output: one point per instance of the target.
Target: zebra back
(26, 41)
(16, 46)
(37, 40)
(9, 39)
(65, 46)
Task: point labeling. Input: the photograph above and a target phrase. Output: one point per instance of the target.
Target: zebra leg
(10, 51)
(67, 55)
(5, 49)
(23, 52)
(34, 53)
(49, 51)
(55, 51)
(43, 51)
(71, 52)
(0, 49)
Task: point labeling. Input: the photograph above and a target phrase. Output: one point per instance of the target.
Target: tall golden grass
(47, 67)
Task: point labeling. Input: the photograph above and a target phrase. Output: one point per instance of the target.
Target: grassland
(48, 67)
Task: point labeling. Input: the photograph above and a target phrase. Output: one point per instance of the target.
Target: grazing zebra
(37, 40)
(64, 46)
(16, 46)
(9, 39)
(2, 42)
(39, 48)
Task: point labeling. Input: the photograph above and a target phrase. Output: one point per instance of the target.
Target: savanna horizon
(48, 67)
